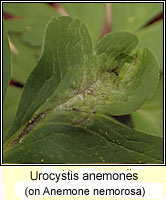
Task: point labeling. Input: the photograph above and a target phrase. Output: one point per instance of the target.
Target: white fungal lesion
(90, 91)
(84, 101)
(70, 103)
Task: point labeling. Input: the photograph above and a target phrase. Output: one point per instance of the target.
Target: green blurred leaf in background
(23, 59)
(32, 20)
(133, 16)
(6, 61)
(10, 107)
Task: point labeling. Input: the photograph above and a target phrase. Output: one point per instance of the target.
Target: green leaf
(32, 20)
(24, 58)
(128, 91)
(57, 76)
(91, 14)
(149, 118)
(132, 16)
(6, 62)
(10, 107)
(71, 84)
(152, 37)
(99, 140)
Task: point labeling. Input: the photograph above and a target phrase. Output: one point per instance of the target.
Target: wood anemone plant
(68, 103)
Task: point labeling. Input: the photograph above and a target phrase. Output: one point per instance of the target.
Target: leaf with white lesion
(71, 86)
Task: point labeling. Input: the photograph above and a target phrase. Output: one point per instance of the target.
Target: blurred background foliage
(26, 23)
